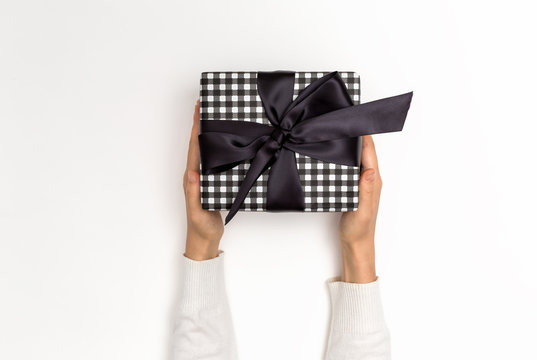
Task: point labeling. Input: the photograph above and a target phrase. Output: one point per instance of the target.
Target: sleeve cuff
(203, 282)
(356, 308)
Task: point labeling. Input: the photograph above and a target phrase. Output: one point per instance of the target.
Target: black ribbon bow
(322, 123)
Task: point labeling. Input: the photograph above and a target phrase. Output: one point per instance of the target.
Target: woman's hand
(357, 228)
(204, 228)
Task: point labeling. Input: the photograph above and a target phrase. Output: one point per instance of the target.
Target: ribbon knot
(279, 135)
(322, 123)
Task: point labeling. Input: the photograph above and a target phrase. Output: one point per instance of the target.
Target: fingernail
(370, 176)
(191, 177)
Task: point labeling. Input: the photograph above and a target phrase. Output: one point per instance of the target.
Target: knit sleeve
(357, 327)
(203, 324)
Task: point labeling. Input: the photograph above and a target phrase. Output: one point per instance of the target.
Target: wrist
(198, 248)
(358, 262)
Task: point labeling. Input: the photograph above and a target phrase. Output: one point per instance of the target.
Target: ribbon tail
(259, 164)
(284, 190)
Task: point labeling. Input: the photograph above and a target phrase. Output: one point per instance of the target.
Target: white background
(96, 101)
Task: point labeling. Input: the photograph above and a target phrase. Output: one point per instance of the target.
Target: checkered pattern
(233, 96)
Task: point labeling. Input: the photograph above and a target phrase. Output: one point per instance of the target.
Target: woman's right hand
(204, 228)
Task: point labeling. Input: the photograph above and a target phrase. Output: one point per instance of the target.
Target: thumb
(366, 189)
(193, 199)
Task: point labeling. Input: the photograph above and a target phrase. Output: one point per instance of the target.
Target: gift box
(286, 141)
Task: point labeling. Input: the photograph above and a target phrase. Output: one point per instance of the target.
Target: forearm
(203, 324)
(358, 329)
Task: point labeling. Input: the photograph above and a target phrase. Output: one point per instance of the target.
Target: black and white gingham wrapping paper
(233, 96)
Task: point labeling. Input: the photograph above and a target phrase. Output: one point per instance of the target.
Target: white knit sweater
(204, 328)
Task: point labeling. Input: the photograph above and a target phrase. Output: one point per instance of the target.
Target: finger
(368, 185)
(193, 160)
(368, 193)
(192, 191)
(369, 154)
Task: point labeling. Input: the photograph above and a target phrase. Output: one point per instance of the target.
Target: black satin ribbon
(322, 123)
